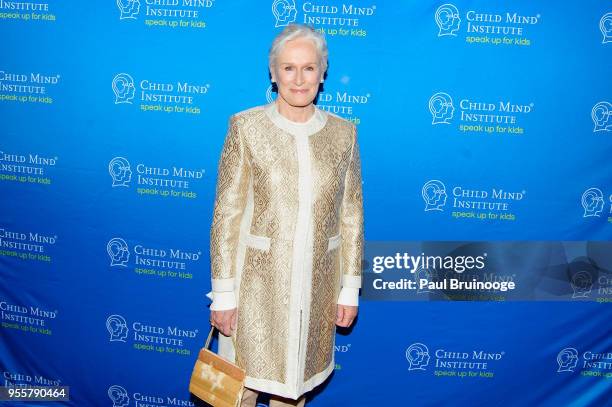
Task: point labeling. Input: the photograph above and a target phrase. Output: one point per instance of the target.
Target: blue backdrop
(478, 121)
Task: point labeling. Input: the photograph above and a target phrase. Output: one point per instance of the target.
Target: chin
(301, 102)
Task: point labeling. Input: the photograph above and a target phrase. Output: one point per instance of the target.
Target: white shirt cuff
(222, 284)
(349, 296)
(222, 301)
(351, 281)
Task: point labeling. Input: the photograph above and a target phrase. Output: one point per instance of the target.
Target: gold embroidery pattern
(230, 199)
(351, 217)
(331, 153)
(263, 317)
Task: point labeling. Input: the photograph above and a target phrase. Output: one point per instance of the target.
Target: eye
(310, 68)
(288, 68)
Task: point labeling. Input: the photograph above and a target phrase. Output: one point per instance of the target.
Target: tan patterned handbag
(215, 380)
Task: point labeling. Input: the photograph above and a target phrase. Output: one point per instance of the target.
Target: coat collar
(311, 126)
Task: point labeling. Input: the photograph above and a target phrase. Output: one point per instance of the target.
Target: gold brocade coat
(287, 234)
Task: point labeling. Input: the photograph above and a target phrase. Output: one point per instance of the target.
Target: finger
(347, 317)
(222, 325)
(352, 317)
(224, 328)
(340, 314)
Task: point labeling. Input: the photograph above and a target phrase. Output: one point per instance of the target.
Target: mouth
(299, 91)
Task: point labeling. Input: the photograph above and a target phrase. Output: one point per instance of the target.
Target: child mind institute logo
(284, 12)
(117, 328)
(178, 96)
(118, 395)
(417, 356)
(492, 203)
(483, 27)
(335, 20)
(120, 171)
(473, 363)
(582, 284)
(123, 88)
(171, 181)
(167, 13)
(602, 116)
(434, 195)
(479, 116)
(586, 363)
(167, 339)
(448, 20)
(593, 202)
(118, 252)
(605, 25)
(129, 9)
(160, 262)
(441, 108)
(567, 360)
(121, 398)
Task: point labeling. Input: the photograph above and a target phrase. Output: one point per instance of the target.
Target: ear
(272, 73)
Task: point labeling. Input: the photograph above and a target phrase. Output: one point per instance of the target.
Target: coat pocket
(334, 242)
(257, 242)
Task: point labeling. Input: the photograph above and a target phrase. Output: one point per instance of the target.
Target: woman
(287, 230)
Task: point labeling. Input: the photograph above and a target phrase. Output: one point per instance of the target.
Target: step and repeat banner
(485, 130)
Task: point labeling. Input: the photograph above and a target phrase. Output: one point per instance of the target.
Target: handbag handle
(207, 344)
(208, 340)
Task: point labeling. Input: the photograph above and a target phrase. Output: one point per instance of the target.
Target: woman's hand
(225, 321)
(346, 315)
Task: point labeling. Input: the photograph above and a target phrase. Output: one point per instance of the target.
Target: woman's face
(297, 73)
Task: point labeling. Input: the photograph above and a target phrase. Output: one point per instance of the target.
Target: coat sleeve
(230, 201)
(351, 228)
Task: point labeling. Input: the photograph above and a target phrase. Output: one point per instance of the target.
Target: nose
(299, 78)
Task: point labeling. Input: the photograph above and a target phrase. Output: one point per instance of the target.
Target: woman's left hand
(346, 315)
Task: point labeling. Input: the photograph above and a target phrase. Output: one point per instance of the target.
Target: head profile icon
(119, 170)
(602, 116)
(128, 8)
(441, 108)
(284, 12)
(567, 360)
(118, 395)
(581, 282)
(117, 328)
(434, 195)
(417, 355)
(123, 88)
(118, 251)
(448, 20)
(592, 202)
(605, 25)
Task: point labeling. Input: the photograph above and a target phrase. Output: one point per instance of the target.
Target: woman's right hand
(225, 321)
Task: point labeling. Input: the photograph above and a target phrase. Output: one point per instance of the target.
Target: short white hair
(293, 31)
